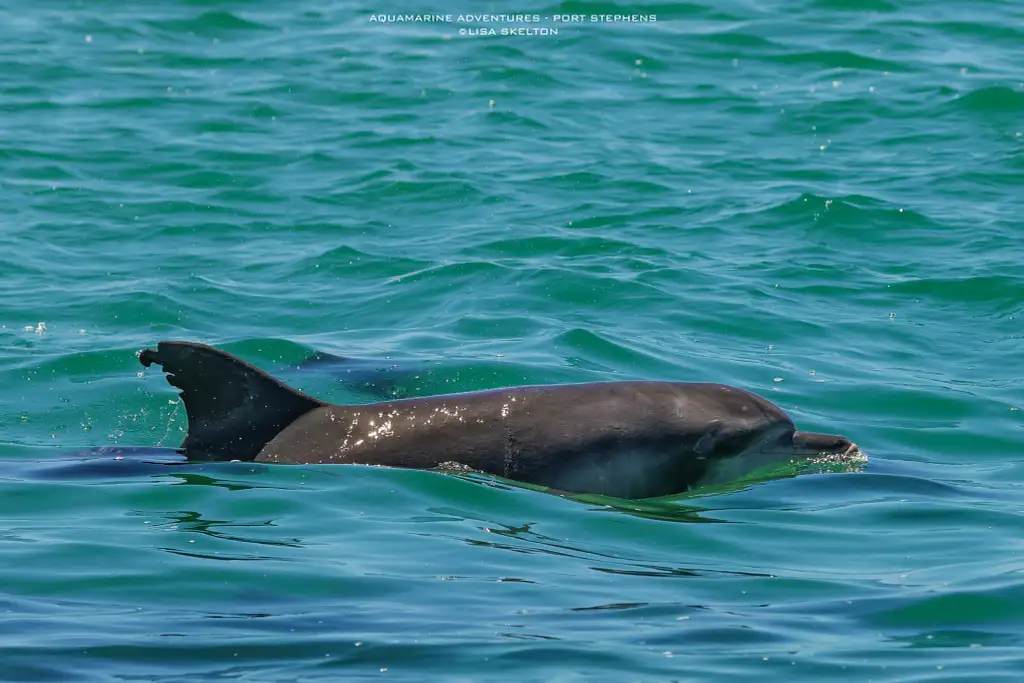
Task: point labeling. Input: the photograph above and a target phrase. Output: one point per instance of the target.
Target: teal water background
(819, 200)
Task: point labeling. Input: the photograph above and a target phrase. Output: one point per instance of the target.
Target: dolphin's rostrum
(624, 439)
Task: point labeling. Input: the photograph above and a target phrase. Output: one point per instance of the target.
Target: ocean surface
(821, 201)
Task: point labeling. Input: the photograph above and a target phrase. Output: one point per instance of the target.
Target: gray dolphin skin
(625, 439)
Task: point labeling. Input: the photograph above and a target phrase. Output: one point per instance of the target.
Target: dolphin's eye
(731, 444)
(722, 441)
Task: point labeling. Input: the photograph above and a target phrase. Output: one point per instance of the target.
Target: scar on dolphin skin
(631, 439)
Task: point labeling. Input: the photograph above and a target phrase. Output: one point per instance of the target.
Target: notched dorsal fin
(233, 408)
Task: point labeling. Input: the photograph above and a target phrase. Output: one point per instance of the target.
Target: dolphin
(627, 439)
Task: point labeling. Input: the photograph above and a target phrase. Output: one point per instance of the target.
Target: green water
(821, 201)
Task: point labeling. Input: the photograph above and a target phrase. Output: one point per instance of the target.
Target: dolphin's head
(680, 437)
(761, 437)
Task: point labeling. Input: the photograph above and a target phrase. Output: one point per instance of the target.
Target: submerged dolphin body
(623, 439)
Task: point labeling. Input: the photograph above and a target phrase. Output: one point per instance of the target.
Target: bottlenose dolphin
(634, 439)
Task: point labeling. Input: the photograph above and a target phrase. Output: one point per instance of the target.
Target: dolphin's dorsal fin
(233, 408)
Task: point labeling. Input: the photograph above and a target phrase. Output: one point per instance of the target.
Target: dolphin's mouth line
(852, 450)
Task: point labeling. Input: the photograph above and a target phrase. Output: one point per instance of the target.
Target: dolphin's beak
(823, 444)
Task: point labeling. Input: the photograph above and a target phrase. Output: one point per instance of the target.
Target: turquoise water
(818, 200)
